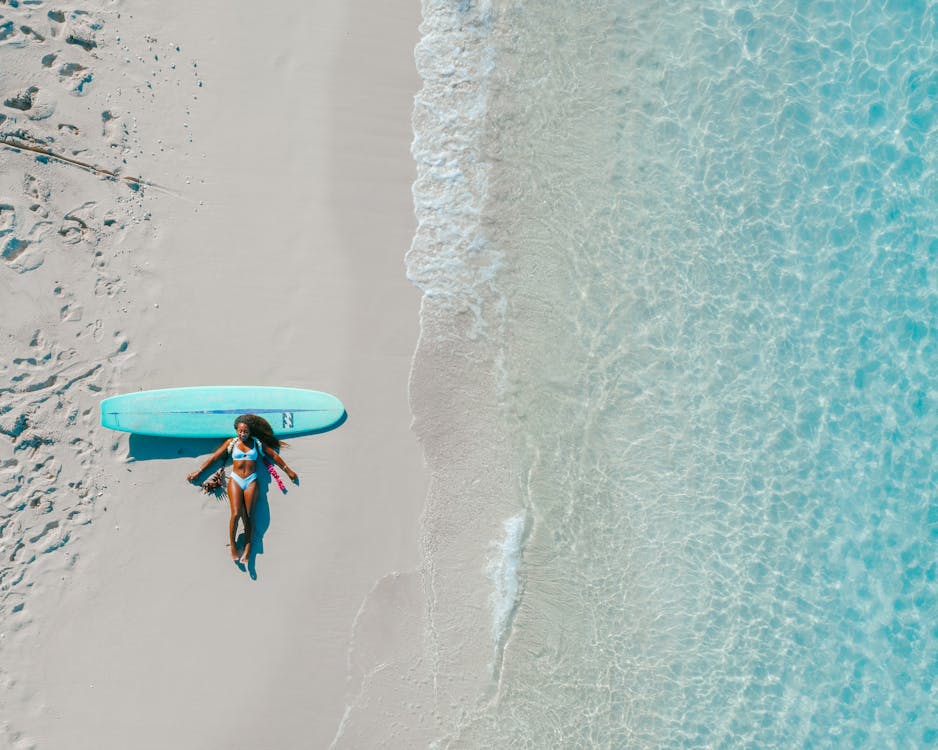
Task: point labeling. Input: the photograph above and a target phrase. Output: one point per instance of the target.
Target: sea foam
(503, 570)
(451, 260)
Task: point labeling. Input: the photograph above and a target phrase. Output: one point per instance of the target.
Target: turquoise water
(694, 250)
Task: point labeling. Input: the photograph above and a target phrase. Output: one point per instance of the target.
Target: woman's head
(253, 425)
(243, 429)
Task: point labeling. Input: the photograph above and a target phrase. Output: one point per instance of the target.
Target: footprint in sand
(113, 128)
(36, 189)
(76, 27)
(57, 20)
(31, 33)
(24, 254)
(12, 35)
(31, 101)
(108, 285)
(9, 35)
(7, 219)
(75, 77)
(77, 225)
(13, 248)
(70, 139)
(38, 193)
(71, 313)
(21, 100)
(38, 341)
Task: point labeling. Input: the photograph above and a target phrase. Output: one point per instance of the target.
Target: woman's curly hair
(261, 429)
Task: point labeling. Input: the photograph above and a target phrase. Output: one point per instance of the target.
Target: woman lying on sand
(254, 440)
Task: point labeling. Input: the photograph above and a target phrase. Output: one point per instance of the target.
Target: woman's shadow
(261, 519)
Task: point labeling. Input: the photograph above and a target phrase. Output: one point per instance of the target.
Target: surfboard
(210, 411)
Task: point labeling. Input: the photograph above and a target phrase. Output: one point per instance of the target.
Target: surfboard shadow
(150, 447)
(328, 428)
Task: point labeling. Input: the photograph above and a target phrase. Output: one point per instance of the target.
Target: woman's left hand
(293, 475)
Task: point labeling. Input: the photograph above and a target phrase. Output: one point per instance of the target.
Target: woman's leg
(250, 500)
(236, 501)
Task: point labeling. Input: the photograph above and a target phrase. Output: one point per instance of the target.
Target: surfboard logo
(287, 420)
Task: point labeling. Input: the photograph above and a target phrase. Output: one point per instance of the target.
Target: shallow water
(684, 255)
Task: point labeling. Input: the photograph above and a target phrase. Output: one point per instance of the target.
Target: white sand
(270, 252)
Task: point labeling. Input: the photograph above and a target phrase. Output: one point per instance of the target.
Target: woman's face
(244, 432)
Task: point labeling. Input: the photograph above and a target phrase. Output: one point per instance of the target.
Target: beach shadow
(150, 447)
(261, 524)
(261, 521)
(329, 428)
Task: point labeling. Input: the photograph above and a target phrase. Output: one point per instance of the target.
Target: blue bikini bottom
(243, 482)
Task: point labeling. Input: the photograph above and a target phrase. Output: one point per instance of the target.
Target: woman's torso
(244, 457)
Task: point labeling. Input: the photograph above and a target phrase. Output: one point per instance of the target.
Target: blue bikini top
(239, 455)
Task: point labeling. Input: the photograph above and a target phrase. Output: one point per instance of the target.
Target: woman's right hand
(193, 476)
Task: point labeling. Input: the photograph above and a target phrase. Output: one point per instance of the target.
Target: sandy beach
(259, 241)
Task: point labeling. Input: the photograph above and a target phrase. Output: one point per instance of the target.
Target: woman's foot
(246, 555)
(234, 552)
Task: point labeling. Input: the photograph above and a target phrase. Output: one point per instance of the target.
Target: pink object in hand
(275, 475)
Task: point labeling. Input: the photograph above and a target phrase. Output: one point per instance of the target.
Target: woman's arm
(275, 457)
(222, 450)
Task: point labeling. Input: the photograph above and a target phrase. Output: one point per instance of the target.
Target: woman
(255, 438)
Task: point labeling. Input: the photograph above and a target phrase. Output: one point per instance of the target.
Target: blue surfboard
(210, 411)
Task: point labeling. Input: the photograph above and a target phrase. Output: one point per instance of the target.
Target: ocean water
(675, 381)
